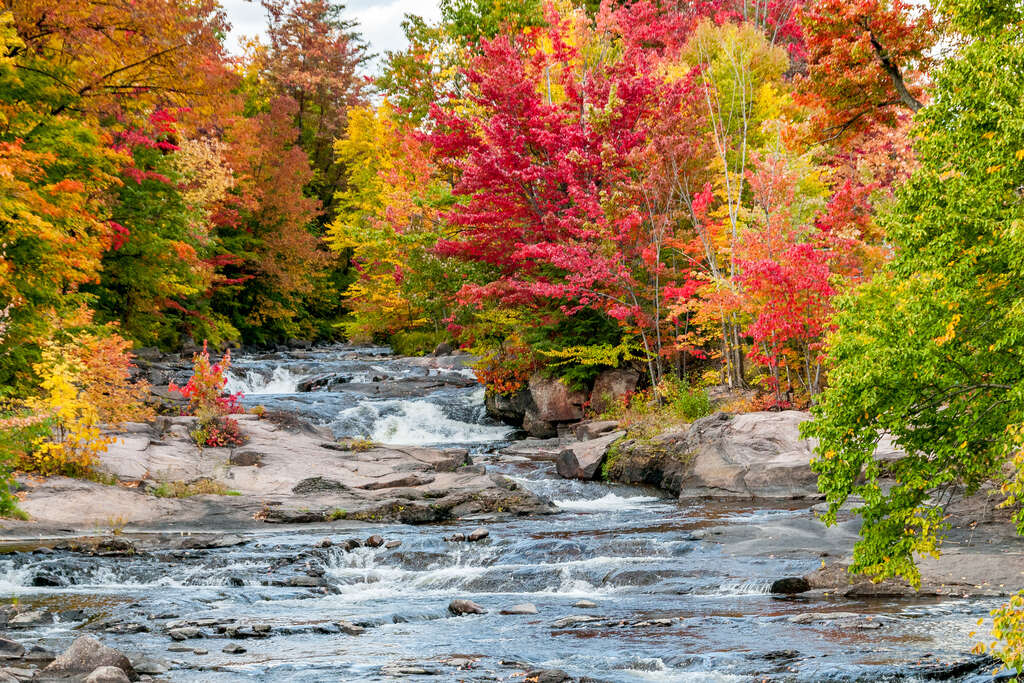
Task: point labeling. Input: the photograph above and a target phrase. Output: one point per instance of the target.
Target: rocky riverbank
(287, 472)
(761, 457)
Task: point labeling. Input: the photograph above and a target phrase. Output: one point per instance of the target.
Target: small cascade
(253, 381)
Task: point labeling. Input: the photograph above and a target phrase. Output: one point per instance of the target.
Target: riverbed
(672, 591)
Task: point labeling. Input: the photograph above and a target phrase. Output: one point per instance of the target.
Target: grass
(336, 514)
(180, 489)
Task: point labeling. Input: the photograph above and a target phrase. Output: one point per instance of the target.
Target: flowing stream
(673, 602)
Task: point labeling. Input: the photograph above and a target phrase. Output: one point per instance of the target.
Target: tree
(929, 351)
(864, 60)
(313, 57)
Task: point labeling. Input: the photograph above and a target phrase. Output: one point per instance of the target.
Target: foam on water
(607, 503)
(415, 423)
(251, 382)
(753, 587)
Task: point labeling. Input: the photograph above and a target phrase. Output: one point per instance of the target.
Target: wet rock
(13, 674)
(234, 649)
(509, 408)
(584, 604)
(107, 674)
(352, 544)
(184, 633)
(790, 586)
(306, 582)
(547, 676)
(245, 457)
(391, 545)
(534, 426)
(525, 608)
(583, 460)
(455, 538)
(10, 649)
(374, 541)
(46, 579)
(611, 386)
(574, 620)
(87, 654)
(409, 670)
(29, 619)
(324, 543)
(478, 535)
(115, 547)
(151, 666)
(351, 629)
(318, 485)
(235, 581)
(261, 629)
(461, 607)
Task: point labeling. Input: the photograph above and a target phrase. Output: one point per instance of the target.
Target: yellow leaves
(950, 332)
(989, 135)
(1019, 156)
(994, 169)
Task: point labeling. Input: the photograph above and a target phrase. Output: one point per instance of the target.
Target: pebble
(234, 649)
(391, 545)
(584, 604)
(478, 535)
(374, 541)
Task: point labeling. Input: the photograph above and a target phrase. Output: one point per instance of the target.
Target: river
(673, 601)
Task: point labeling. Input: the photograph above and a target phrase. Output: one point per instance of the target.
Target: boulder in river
(583, 460)
(525, 608)
(461, 607)
(86, 655)
(107, 674)
(374, 541)
(478, 535)
(11, 649)
(790, 586)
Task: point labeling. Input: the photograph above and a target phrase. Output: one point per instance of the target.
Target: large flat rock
(296, 476)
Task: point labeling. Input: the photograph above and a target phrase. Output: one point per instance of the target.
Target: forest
(818, 202)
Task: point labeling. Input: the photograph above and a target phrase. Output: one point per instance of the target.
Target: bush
(417, 342)
(209, 403)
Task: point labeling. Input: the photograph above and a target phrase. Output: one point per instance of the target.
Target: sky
(380, 21)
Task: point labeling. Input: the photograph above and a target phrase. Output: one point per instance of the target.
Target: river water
(674, 602)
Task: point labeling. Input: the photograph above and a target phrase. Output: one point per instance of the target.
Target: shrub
(209, 403)
(417, 342)
(85, 382)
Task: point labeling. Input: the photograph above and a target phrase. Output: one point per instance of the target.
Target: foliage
(417, 343)
(928, 351)
(201, 487)
(208, 402)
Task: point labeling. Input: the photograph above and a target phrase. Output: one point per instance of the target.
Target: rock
(352, 544)
(261, 628)
(374, 541)
(790, 586)
(525, 608)
(245, 457)
(30, 618)
(87, 654)
(184, 633)
(812, 617)
(611, 386)
(573, 620)
(460, 607)
(442, 349)
(583, 460)
(455, 538)
(585, 431)
(115, 547)
(546, 676)
(324, 543)
(306, 582)
(391, 545)
(584, 604)
(10, 649)
(46, 579)
(509, 408)
(151, 666)
(399, 480)
(234, 649)
(535, 426)
(554, 401)
(351, 629)
(318, 485)
(478, 535)
(107, 674)
(206, 542)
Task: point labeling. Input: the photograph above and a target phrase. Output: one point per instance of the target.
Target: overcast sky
(380, 21)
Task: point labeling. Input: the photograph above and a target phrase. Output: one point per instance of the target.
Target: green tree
(930, 351)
